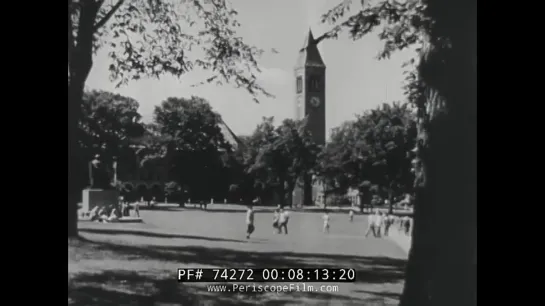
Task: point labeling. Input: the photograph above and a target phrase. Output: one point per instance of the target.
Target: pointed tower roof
(309, 40)
(309, 55)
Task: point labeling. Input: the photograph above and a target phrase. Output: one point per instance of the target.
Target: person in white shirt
(276, 217)
(326, 222)
(379, 221)
(123, 209)
(93, 213)
(351, 215)
(249, 221)
(374, 221)
(137, 209)
(113, 216)
(283, 221)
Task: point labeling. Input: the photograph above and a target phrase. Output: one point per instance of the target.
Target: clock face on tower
(315, 101)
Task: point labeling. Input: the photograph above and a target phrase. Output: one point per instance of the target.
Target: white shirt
(326, 219)
(250, 216)
(378, 220)
(113, 214)
(375, 220)
(283, 217)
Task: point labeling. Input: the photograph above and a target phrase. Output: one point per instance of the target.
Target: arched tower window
(314, 84)
(299, 84)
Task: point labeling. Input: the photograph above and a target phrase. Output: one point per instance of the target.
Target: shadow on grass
(391, 295)
(376, 270)
(112, 286)
(118, 287)
(109, 231)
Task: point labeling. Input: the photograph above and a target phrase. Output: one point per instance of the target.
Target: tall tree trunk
(417, 276)
(289, 193)
(80, 63)
(453, 146)
(282, 192)
(364, 194)
(74, 175)
(307, 190)
(390, 200)
(442, 261)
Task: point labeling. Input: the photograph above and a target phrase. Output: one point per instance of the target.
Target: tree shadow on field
(112, 285)
(375, 270)
(118, 287)
(111, 231)
(392, 295)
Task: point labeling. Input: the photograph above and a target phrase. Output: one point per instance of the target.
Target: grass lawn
(135, 264)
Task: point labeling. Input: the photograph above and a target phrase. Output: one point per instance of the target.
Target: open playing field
(135, 264)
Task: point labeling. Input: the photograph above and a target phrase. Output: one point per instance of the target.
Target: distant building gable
(229, 136)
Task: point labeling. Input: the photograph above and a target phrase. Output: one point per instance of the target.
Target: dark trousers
(373, 229)
(283, 226)
(250, 229)
(407, 228)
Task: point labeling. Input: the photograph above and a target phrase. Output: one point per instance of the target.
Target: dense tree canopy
(155, 37)
(185, 145)
(371, 152)
(110, 120)
(283, 155)
(150, 38)
(253, 181)
(186, 141)
(109, 125)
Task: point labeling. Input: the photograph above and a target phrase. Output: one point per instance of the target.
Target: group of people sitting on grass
(104, 214)
(111, 213)
(380, 224)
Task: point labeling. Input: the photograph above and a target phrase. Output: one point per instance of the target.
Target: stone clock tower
(310, 103)
(310, 89)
